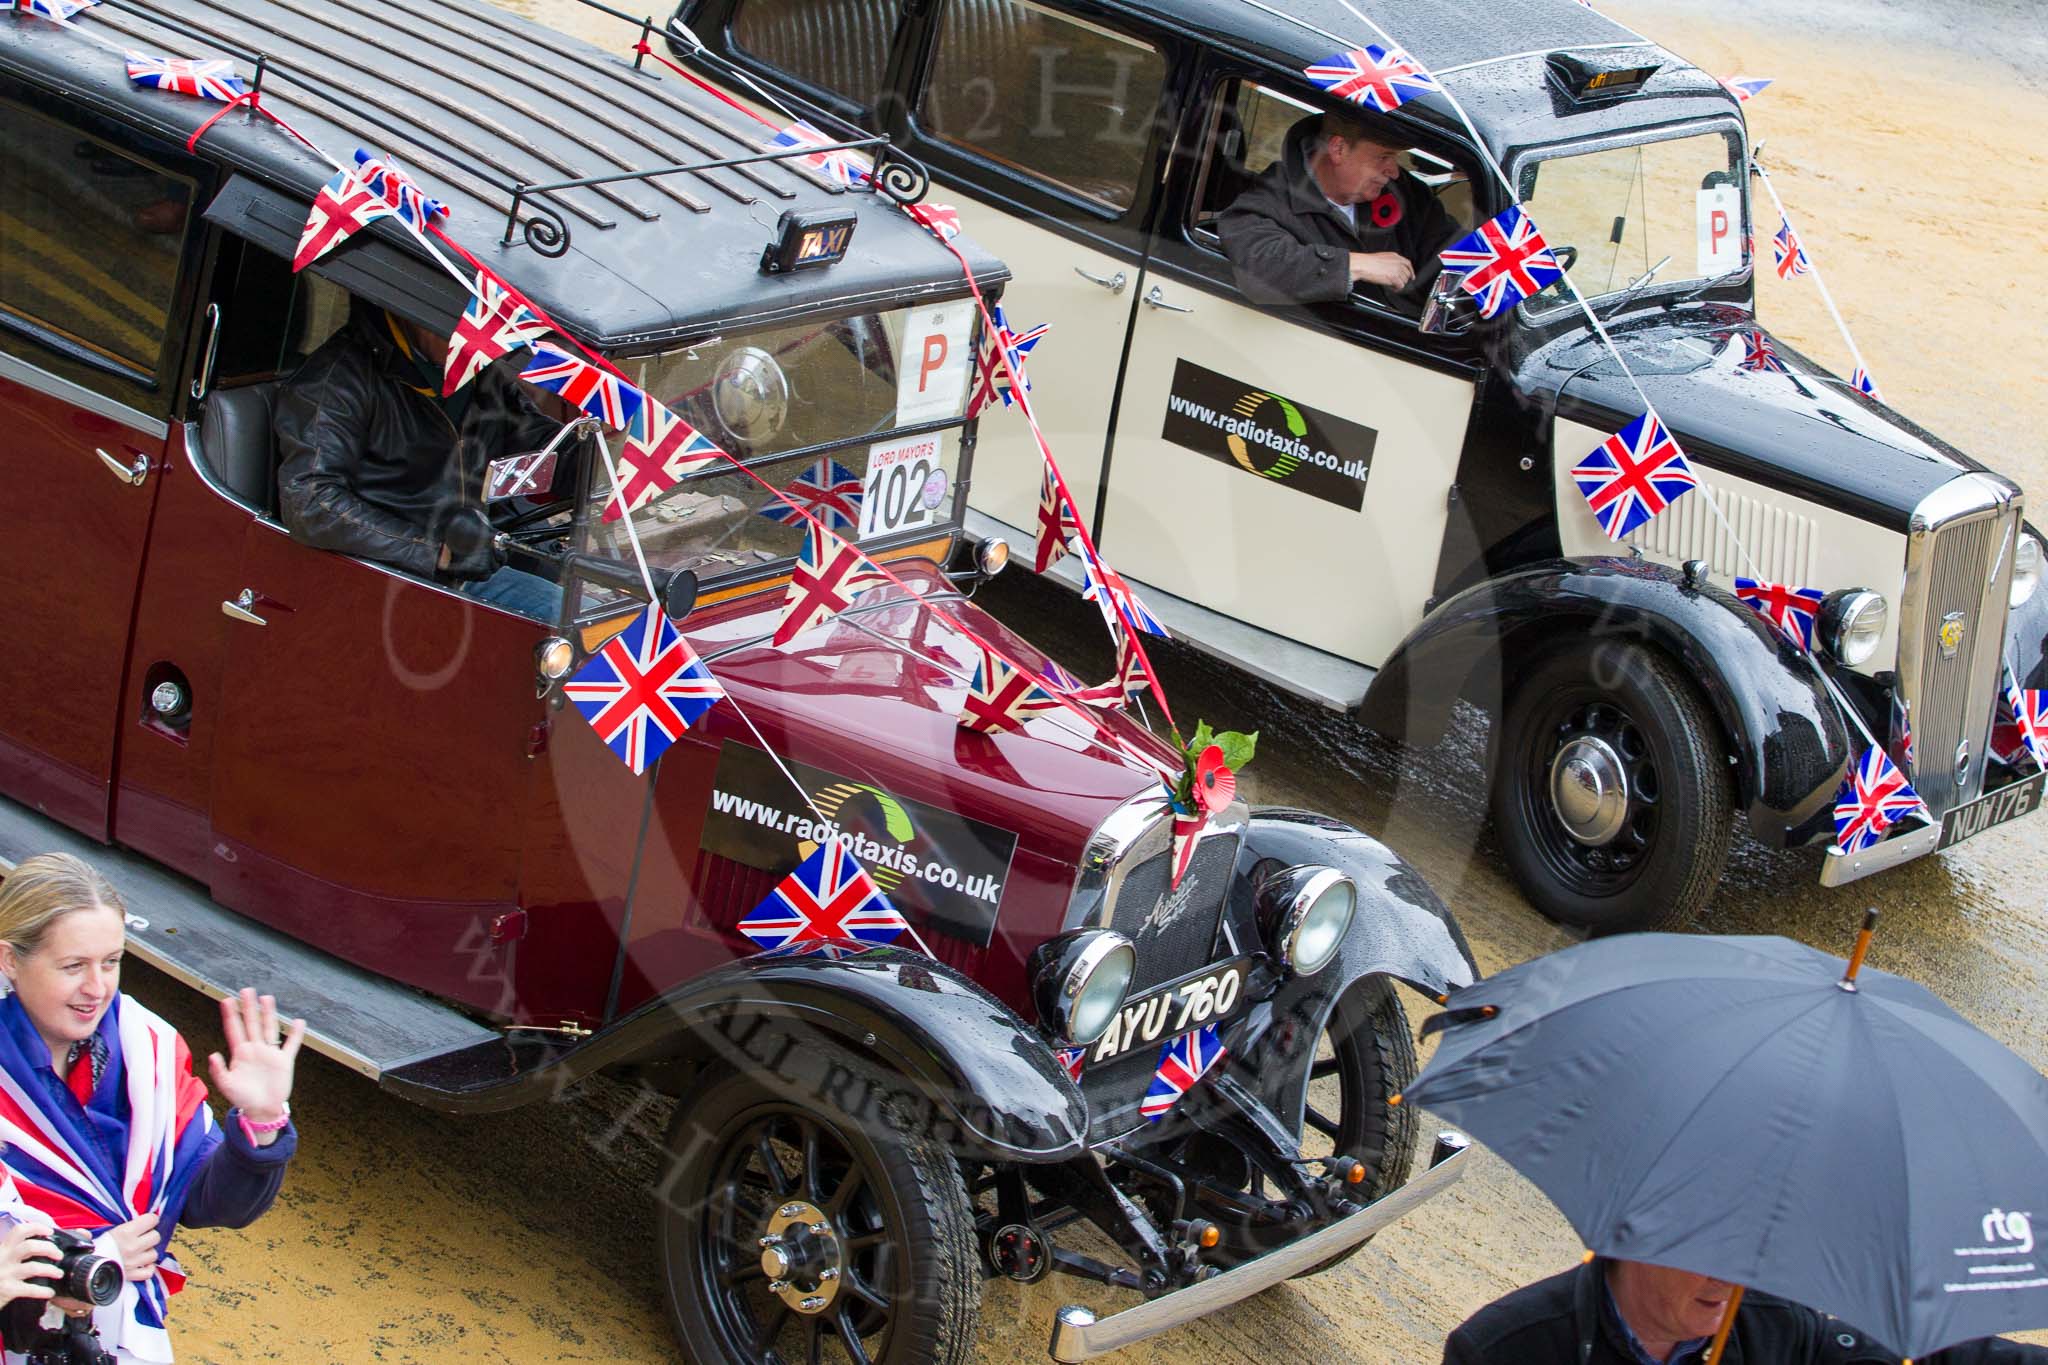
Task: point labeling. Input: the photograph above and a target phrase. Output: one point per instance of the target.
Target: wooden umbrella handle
(1727, 1326)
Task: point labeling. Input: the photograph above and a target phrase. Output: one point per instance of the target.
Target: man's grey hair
(1336, 123)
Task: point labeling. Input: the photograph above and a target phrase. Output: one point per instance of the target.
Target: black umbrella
(1738, 1108)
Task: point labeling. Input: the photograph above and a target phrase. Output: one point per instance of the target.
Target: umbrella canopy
(1726, 1106)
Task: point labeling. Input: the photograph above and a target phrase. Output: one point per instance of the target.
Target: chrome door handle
(239, 609)
(203, 380)
(1158, 300)
(130, 474)
(1114, 284)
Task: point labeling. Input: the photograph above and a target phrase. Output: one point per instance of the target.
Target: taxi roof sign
(807, 240)
(1583, 82)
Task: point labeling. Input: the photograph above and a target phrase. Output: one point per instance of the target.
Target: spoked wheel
(795, 1231)
(1611, 791)
(1364, 1058)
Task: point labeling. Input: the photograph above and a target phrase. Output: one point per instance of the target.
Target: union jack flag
(1373, 76)
(1002, 696)
(1056, 521)
(643, 689)
(54, 9)
(1129, 681)
(1504, 261)
(344, 205)
(658, 460)
(1792, 610)
(63, 1170)
(994, 379)
(1633, 475)
(2024, 731)
(1876, 797)
(827, 490)
(1788, 252)
(1182, 1063)
(1188, 832)
(398, 190)
(841, 165)
(829, 574)
(1105, 587)
(608, 398)
(213, 79)
(1865, 384)
(1902, 731)
(942, 220)
(1747, 88)
(1759, 355)
(496, 323)
(1073, 1059)
(829, 896)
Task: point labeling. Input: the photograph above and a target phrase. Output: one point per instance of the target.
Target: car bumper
(2013, 801)
(1077, 1334)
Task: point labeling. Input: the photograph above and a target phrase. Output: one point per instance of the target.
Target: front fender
(1787, 736)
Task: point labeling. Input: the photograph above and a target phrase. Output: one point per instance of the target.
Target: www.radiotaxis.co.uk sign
(1269, 436)
(942, 870)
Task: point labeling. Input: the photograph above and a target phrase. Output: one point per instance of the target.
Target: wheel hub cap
(1589, 788)
(800, 1255)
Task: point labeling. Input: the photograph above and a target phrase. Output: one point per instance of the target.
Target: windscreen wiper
(1635, 286)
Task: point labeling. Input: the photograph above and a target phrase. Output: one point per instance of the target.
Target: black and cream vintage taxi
(1370, 504)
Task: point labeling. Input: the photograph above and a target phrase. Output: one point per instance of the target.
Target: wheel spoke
(813, 1176)
(866, 1240)
(814, 1347)
(850, 1337)
(778, 1177)
(850, 1184)
(856, 1284)
(745, 1272)
(770, 1328)
(1326, 1067)
(1322, 1123)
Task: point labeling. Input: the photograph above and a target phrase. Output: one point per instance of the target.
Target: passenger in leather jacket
(375, 462)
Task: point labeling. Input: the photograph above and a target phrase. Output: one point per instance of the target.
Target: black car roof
(471, 100)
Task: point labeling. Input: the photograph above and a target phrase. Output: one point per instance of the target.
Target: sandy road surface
(403, 1236)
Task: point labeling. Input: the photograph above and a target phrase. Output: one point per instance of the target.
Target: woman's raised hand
(256, 1077)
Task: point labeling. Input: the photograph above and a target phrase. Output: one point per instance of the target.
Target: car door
(96, 260)
(1290, 467)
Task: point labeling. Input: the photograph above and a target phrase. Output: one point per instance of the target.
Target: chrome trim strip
(78, 396)
(1842, 868)
(1077, 1334)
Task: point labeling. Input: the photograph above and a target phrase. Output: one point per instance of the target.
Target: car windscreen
(1673, 209)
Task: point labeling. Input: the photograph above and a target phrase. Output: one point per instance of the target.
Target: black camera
(87, 1276)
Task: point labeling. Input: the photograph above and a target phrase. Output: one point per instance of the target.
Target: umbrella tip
(1862, 946)
(1586, 1259)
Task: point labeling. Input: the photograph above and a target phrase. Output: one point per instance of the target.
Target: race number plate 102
(1212, 996)
(904, 488)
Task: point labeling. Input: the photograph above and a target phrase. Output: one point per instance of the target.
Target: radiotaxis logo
(1285, 461)
(1256, 431)
(832, 802)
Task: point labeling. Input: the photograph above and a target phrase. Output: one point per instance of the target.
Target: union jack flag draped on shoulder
(992, 376)
(344, 206)
(495, 324)
(1793, 611)
(1633, 475)
(1372, 76)
(65, 1170)
(643, 689)
(1057, 523)
(210, 79)
(828, 490)
(398, 190)
(1503, 261)
(842, 165)
(828, 896)
(1876, 797)
(1788, 252)
(657, 459)
(828, 575)
(1182, 1063)
(608, 398)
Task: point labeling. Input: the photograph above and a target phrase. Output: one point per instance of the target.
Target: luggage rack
(352, 44)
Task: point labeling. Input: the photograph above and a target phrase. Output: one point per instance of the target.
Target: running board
(358, 1018)
(1302, 669)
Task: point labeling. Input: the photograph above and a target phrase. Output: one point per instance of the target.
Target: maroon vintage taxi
(311, 768)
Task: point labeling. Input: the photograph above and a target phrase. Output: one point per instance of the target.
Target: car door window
(1061, 100)
(90, 244)
(838, 46)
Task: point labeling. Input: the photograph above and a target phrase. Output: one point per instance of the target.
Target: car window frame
(909, 16)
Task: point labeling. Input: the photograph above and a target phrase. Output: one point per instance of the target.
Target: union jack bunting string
(1760, 356)
(1747, 88)
(1787, 251)
(495, 324)
(828, 575)
(608, 398)
(1002, 696)
(841, 165)
(1633, 475)
(1794, 611)
(1372, 76)
(1056, 522)
(1105, 587)
(643, 689)
(1182, 1063)
(1073, 1059)
(827, 490)
(344, 206)
(208, 80)
(1865, 384)
(828, 896)
(1876, 797)
(656, 460)
(54, 9)
(1902, 731)
(1128, 682)
(993, 377)
(941, 220)
(398, 190)
(1503, 262)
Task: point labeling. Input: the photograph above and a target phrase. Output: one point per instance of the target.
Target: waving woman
(106, 1129)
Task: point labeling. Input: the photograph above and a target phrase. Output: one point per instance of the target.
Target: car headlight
(1080, 981)
(1306, 912)
(1852, 621)
(2026, 569)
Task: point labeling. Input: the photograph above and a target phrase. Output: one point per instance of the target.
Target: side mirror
(1450, 309)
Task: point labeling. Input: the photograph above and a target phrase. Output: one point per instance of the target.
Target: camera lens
(87, 1275)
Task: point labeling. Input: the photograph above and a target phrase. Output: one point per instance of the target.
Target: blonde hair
(42, 890)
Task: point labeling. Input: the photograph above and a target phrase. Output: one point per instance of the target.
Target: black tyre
(1611, 790)
(1365, 1057)
(869, 1219)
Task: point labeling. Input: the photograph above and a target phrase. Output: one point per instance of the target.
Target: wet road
(404, 1236)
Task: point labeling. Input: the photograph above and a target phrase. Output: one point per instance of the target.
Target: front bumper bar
(1077, 1334)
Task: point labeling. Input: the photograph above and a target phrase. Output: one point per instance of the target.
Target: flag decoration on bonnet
(1182, 1063)
(1760, 356)
(828, 575)
(54, 9)
(1633, 475)
(1105, 587)
(344, 206)
(1002, 696)
(1788, 252)
(992, 377)
(1072, 1059)
(1865, 384)
(828, 490)
(2023, 730)
(1372, 76)
(839, 164)
(1056, 521)
(1504, 261)
(608, 398)
(495, 324)
(1794, 611)
(398, 190)
(828, 896)
(208, 79)
(643, 689)
(1874, 798)
(1747, 88)
(656, 459)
